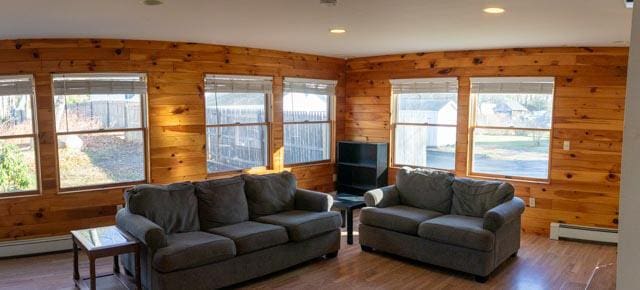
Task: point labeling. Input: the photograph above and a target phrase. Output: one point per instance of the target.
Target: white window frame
(75, 84)
(268, 95)
(473, 108)
(416, 84)
(288, 83)
(20, 90)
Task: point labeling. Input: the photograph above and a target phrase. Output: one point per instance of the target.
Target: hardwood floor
(541, 264)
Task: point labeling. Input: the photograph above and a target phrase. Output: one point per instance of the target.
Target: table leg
(116, 264)
(137, 261)
(76, 274)
(342, 213)
(349, 226)
(92, 272)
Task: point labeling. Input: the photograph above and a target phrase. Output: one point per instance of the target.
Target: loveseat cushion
(475, 197)
(461, 231)
(425, 189)
(221, 202)
(302, 225)
(269, 193)
(252, 236)
(188, 250)
(173, 207)
(398, 218)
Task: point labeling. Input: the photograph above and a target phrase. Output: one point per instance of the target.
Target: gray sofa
(432, 216)
(217, 233)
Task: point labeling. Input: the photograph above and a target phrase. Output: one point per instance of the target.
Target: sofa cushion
(188, 250)
(398, 218)
(302, 225)
(270, 193)
(221, 202)
(475, 197)
(462, 231)
(425, 189)
(173, 207)
(252, 236)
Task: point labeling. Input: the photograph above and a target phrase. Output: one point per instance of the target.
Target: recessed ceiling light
(494, 10)
(151, 2)
(337, 30)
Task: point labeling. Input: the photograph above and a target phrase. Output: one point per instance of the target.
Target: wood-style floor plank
(541, 264)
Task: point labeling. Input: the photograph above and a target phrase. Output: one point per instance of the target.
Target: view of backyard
(17, 154)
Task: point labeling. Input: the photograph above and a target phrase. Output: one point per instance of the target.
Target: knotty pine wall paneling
(589, 104)
(175, 112)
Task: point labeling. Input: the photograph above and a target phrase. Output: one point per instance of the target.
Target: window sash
(329, 139)
(23, 85)
(472, 155)
(265, 143)
(395, 151)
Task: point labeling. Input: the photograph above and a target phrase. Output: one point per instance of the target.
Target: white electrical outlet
(566, 146)
(532, 202)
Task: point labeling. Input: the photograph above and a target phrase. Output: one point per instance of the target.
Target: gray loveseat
(431, 216)
(217, 233)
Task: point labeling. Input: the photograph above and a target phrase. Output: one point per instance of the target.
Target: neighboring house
(503, 112)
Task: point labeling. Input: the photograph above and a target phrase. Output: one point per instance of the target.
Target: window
(511, 127)
(18, 165)
(424, 123)
(307, 119)
(237, 116)
(100, 124)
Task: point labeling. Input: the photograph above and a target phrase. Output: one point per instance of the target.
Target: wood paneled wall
(589, 104)
(176, 117)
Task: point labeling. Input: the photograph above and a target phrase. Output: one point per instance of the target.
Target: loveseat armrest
(149, 233)
(503, 214)
(382, 197)
(312, 200)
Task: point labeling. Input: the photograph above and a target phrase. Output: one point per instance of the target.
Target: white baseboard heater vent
(35, 246)
(596, 234)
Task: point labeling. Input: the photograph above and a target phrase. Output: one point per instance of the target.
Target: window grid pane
(426, 112)
(307, 100)
(100, 129)
(236, 147)
(511, 153)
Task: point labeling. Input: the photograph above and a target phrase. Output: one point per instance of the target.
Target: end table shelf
(105, 242)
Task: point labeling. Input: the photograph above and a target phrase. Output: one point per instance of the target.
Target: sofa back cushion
(173, 207)
(270, 193)
(221, 202)
(425, 189)
(475, 197)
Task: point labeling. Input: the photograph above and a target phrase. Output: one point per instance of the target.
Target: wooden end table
(104, 242)
(346, 203)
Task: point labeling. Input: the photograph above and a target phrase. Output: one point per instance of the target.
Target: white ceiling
(374, 26)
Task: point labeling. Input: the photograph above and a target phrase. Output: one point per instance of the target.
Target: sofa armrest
(149, 233)
(382, 197)
(312, 200)
(502, 214)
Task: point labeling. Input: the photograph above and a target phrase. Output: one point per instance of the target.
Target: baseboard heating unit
(576, 232)
(35, 246)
